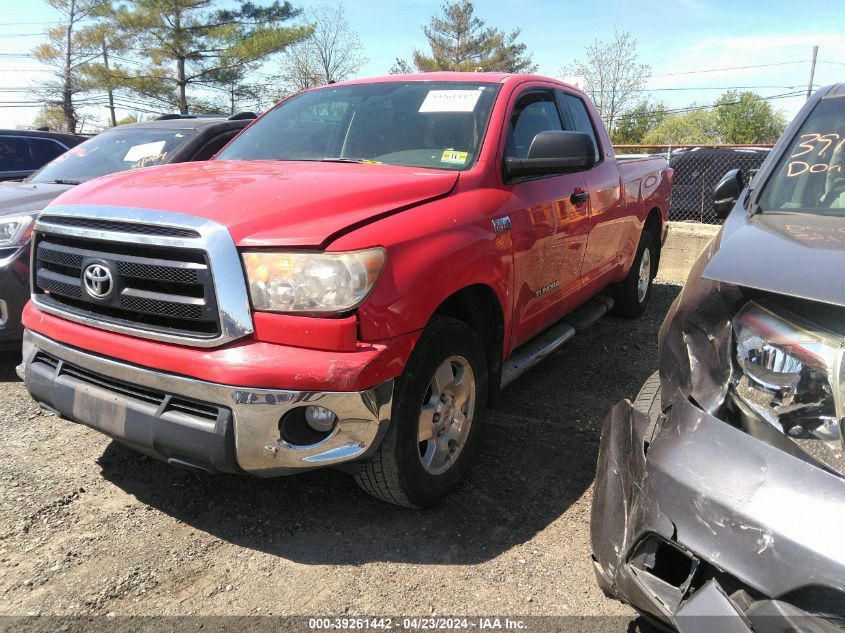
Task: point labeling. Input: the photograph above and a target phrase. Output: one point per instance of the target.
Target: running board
(549, 341)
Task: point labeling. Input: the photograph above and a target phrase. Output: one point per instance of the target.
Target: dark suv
(169, 139)
(24, 151)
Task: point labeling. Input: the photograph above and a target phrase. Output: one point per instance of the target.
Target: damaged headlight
(307, 282)
(789, 372)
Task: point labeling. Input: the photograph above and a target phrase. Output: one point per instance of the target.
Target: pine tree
(459, 40)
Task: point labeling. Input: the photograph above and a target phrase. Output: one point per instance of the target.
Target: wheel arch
(478, 306)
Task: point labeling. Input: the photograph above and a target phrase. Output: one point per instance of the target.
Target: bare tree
(612, 75)
(332, 53)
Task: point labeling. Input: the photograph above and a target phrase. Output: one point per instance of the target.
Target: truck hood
(263, 203)
(24, 197)
(795, 254)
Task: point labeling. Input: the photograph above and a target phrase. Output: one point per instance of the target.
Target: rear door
(549, 225)
(16, 159)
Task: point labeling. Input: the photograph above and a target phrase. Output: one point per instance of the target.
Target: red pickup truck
(348, 283)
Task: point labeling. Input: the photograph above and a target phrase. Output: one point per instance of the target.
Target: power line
(27, 23)
(716, 70)
(705, 88)
(686, 109)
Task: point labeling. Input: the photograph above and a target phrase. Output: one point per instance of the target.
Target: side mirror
(554, 152)
(727, 192)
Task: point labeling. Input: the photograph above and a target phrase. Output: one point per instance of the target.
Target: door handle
(579, 196)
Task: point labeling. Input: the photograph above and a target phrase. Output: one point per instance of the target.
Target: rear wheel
(631, 294)
(438, 407)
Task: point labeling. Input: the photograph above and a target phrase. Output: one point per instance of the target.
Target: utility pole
(812, 72)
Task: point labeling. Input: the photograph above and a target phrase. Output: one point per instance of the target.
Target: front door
(549, 220)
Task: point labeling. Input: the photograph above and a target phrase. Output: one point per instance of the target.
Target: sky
(764, 46)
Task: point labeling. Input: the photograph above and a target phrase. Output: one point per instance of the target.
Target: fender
(434, 251)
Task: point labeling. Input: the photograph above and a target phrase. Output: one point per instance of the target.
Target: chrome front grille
(169, 277)
(156, 288)
(124, 227)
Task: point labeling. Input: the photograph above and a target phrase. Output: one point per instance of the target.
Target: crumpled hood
(796, 254)
(25, 197)
(265, 203)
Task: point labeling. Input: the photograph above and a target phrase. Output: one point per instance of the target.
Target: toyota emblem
(98, 281)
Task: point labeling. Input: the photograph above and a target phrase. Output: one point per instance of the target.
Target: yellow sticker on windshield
(451, 156)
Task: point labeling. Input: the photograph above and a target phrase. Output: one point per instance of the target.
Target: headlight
(789, 373)
(311, 282)
(15, 230)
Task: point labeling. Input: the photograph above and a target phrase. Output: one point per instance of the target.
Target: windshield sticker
(149, 160)
(450, 101)
(137, 152)
(817, 144)
(453, 157)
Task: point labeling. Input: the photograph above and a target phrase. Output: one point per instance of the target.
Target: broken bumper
(710, 521)
(198, 424)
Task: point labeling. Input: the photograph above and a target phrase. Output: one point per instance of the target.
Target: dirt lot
(88, 527)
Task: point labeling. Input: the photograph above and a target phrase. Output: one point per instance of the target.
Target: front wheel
(438, 407)
(631, 294)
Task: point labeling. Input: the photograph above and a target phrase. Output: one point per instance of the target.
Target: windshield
(810, 176)
(416, 124)
(112, 151)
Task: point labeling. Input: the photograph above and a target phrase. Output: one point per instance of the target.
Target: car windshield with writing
(810, 176)
(110, 152)
(416, 124)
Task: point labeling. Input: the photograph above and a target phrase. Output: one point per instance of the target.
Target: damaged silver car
(721, 490)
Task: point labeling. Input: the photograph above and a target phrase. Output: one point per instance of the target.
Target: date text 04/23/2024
(417, 624)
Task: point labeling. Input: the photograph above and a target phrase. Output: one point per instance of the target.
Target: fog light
(320, 419)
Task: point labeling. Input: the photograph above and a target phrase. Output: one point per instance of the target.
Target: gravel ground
(89, 528)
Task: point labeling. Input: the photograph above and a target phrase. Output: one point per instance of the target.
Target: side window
(581, 119)
(214, 145)
(45, 150)
(533, 113)
(15, 154)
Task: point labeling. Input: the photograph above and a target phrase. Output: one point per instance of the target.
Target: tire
(409, 472)
(631, 295)
(648, 401)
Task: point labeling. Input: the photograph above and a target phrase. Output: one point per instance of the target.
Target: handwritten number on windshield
(819, 143)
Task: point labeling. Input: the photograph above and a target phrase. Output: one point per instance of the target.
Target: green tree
(189, 43)
(51, 116)
(100, 39)
(699, 126)
(632, 127)
(460, 41)
(400, 67)
(613, 77)
(744, 117)
(67, 51)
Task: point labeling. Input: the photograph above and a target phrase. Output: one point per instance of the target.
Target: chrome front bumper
(100, 397)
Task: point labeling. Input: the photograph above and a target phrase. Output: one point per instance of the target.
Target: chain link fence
(697, 170)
